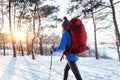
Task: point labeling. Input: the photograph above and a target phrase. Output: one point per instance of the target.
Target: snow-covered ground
(24, 68)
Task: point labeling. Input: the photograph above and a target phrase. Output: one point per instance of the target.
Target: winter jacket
(66, 41)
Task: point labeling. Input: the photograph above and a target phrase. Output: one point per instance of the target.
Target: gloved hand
(51, 49)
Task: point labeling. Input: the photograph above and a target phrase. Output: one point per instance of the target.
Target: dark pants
(73, 66)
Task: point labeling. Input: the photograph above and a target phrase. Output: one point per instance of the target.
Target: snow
(25, 68)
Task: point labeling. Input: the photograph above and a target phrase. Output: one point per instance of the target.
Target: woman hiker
(71, 58)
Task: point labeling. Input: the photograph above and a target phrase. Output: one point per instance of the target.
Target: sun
(20, 36)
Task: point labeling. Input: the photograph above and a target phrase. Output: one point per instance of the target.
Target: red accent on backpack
(78, 37)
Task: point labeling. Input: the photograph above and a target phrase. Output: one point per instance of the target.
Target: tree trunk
(20, 39)
(116, 27)
(10, 25)
(96, 51)
(41, 48)
(21, 47)
(33, 57)
(4, 44)
(39, 30)
(27, 43)
(19, 21)
(2, 27)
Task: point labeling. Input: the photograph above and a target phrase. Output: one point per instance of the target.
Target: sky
(88, 23)
(63, 7)
(102, 35)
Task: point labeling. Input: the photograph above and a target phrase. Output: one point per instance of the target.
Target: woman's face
(64, 27)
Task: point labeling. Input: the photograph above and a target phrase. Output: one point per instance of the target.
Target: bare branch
(107, 7)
